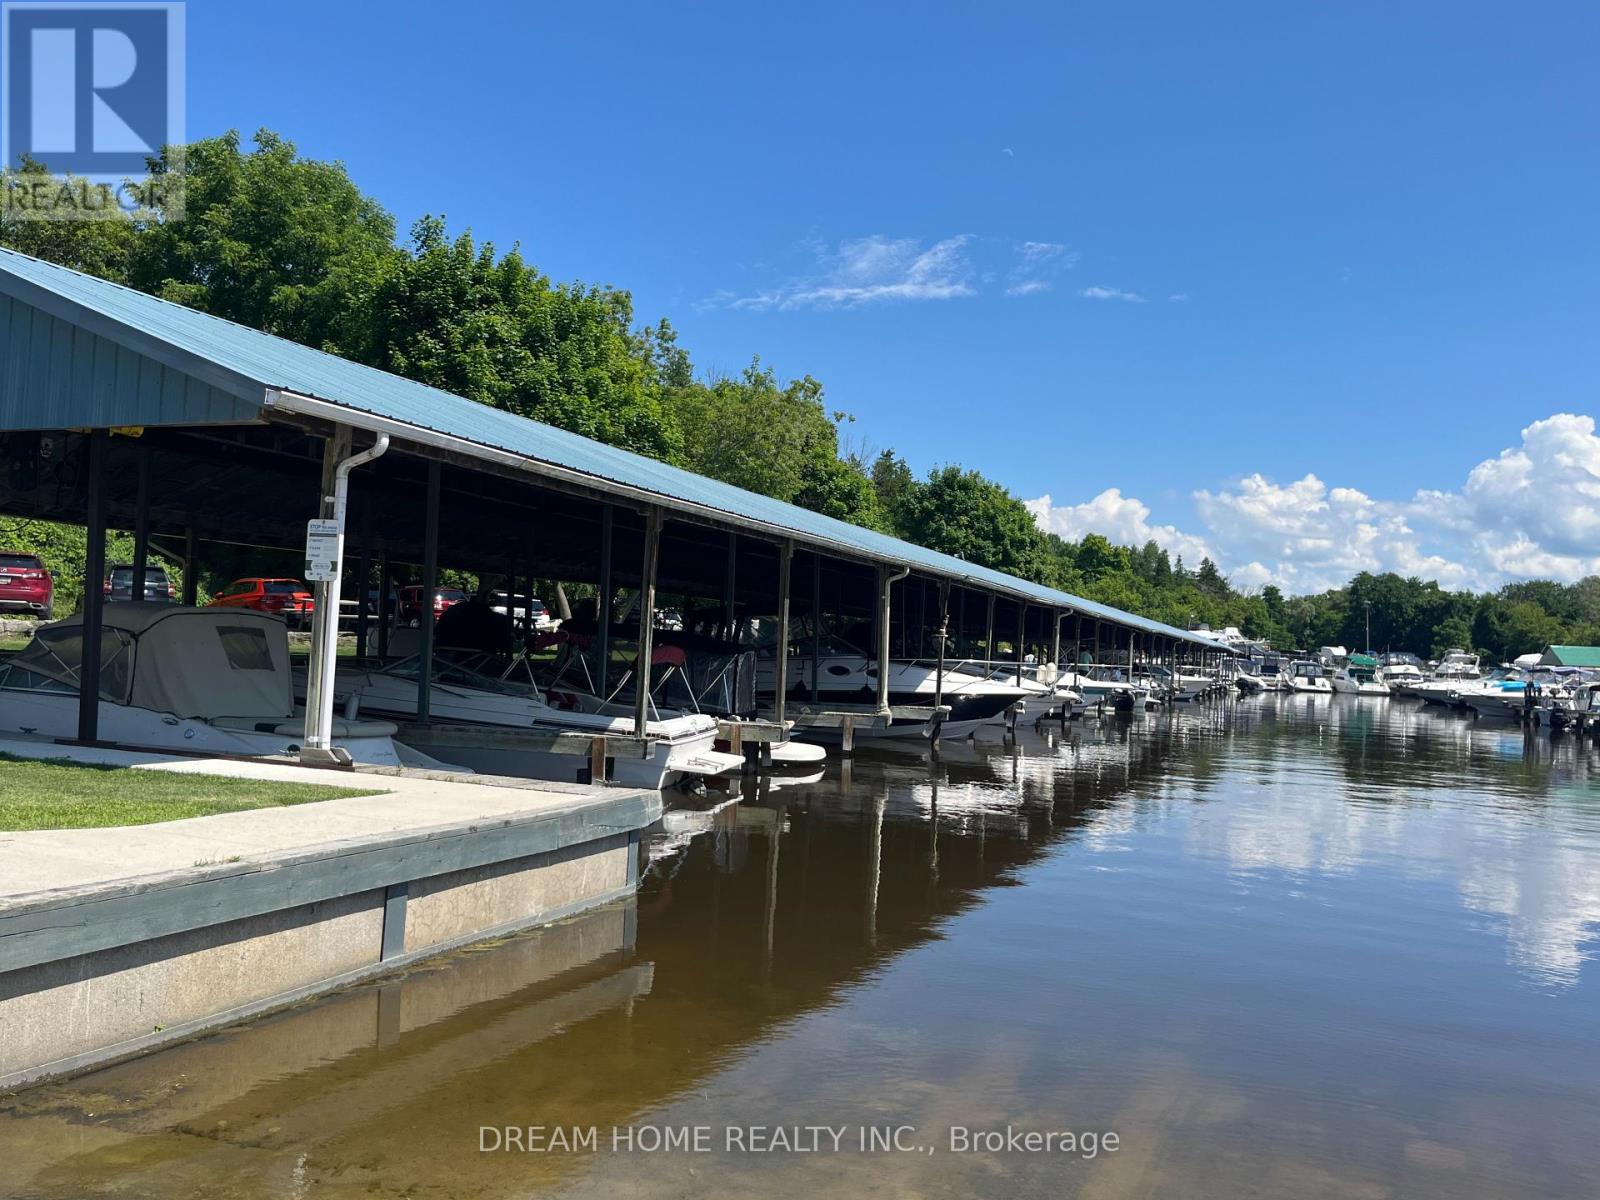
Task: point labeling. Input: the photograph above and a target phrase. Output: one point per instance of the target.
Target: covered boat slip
(118, 408)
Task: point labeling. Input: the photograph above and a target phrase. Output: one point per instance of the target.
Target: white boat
(1307, 676)
(491, 715)
(1400, 676)
(205, 681)
(1458, 666)
(1104, 688)
(1359, 677)
(847, 677)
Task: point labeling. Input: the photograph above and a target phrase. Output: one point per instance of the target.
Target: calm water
(1280, 947)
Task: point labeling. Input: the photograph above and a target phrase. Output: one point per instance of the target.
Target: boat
(1458, 665)
(492, 714)
(1519, 693)
(848, 679)
(1359, 677)
(1304, 675)
(1106, 687)
(203, 681)
(1400, 673)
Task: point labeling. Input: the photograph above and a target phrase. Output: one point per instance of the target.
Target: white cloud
(1531, 511)
(1008, 151)
(1037, 265)
(870, 270)
(1177, 297)
(1110, 293)
(1121, 519)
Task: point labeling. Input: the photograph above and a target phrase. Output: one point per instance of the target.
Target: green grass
(56, 794)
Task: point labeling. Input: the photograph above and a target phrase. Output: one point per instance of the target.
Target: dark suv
(25, 585)
(157, 587)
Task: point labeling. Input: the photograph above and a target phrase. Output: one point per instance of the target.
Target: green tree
(962, 513)
(454, 315)
(271, 240)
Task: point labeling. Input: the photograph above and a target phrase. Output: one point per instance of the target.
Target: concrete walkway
(38, 862)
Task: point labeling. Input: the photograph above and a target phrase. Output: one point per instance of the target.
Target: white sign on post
(324, 548)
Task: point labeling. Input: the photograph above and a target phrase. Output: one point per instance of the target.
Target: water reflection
(1297, 945)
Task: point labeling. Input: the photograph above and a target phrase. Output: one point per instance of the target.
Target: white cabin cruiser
(1307, 676)
(186, 680)
(491, 715)
(1359, 677)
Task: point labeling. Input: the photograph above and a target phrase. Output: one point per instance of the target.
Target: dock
(117, 941)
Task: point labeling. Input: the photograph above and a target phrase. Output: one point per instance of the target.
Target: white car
(516, 607)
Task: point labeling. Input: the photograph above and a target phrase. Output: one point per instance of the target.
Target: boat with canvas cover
(206, 681)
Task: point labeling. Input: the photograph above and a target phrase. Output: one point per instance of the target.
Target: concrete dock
(115, 941)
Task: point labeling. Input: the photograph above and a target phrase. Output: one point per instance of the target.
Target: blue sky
(1162, 249)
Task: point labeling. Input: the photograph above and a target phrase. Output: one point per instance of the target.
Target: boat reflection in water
(1289, 945)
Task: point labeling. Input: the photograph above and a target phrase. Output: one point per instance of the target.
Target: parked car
(25, 585)
(411, 603)
(157, 587)
(516, 605)
(287, 598)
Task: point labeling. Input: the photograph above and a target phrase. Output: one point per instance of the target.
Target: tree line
(292, 246)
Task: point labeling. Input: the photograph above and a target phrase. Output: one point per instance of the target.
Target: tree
(271, 240)
(775, 439)
(962, 513)
(1209, 581)
(454, 315)
(894, 485)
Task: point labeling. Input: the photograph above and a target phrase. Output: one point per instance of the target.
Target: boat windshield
(53, 660)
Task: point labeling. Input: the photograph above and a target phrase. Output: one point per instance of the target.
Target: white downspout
(885, 616)
(325, 624)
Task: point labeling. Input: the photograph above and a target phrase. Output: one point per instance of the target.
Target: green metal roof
(1571, 656)
(234, 370)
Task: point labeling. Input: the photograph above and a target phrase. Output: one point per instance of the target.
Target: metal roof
(1571, 656)
(270, 371)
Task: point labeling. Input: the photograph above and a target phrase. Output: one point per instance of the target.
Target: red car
(287, 598)
(411, 603)
(25, 585)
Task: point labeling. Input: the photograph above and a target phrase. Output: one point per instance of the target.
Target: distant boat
(1308, 676)
(1359, 677)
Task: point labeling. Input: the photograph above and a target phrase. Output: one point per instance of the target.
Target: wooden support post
(430, 584)
(1055, 641)
(729, 579)
(94, 572)
(847, 734)
(647, 619)
(1131, 636)
(602, 608)
(141, 528)
(785, 563)
(597, 760)
(363, 586)
(944, 629)
(1097, 641)
(386, 612)
(988, 637)
(816, 621)
(1022, 638)
(191, 567)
